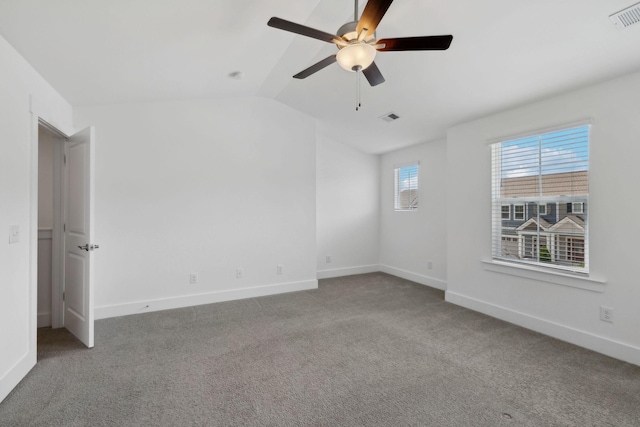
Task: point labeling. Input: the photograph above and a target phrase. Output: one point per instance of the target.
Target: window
(506, 211)
(533, 172)
(577, 207)
(406, 187)
(518, 212)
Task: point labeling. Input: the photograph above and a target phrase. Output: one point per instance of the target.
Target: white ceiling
(504, 53)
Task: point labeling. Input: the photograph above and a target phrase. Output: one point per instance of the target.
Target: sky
(566, 150)
(408, 177)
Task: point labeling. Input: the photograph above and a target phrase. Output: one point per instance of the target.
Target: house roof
(569, 224)
(544, 225)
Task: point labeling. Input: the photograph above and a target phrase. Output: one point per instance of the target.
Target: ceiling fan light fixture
(356, 56)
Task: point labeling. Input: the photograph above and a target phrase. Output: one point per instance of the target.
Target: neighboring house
(554, 231)
(408, 199)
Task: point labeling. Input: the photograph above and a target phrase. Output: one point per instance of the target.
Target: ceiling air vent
(626, 17)
(389, 117)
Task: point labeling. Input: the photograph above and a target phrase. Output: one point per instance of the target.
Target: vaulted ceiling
(504, 53)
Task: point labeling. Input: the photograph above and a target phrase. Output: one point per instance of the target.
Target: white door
(78, 231)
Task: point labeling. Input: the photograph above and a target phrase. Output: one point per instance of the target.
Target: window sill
(543, 275)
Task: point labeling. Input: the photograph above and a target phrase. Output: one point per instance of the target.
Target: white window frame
(540, 208)
(396, 186)
(502, 212)
(515, 213)
(576, 211)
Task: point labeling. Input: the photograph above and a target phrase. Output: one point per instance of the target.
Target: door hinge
(63, 296)
(64, 227)
(65, 159)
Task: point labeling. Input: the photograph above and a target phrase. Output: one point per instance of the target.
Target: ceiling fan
(357, 43)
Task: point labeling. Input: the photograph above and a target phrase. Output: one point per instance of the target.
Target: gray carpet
(363, 350)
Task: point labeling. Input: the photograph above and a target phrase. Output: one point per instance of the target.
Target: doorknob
(89, 247)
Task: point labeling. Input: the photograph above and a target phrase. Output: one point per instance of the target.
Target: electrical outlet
(279, 269)
(606, 314)
(14, 234)
(429, 265)
(193, 278)
(239, 273)
(328, 258)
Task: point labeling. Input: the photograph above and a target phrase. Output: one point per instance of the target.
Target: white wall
(347, 199)
(565, 312)
(18, 198)
(203, 186)
(410, 239)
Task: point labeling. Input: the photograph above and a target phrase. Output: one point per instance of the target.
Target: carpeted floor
(367, 350)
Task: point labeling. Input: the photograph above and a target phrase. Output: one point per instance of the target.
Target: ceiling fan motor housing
(349, 33)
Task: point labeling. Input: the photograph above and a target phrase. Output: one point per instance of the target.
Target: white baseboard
(580, 338)
(138, 307)
(44, 320)
(349, 271)
(16, 373)
(415, 277)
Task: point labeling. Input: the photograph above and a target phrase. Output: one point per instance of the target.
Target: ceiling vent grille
(389, 117)
(626, 17)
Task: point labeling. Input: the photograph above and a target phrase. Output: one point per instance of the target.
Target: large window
(542, 175)
(406, 187)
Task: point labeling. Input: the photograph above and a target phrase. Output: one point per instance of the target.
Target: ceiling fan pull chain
(358, 91)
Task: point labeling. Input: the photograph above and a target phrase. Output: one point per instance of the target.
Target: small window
(518, 212)
(406, 187)
(542, 209)
(506, 211)
(577, 207)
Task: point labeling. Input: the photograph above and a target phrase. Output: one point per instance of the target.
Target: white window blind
(406, 187)
(544, 179)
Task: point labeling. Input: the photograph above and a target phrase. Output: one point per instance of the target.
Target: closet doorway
(65, 225)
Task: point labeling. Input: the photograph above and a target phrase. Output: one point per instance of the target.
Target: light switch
(14, 234)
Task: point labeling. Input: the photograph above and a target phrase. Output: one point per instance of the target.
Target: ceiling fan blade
(416, 43)
(315, 67)
(301, 29)
(372, 14)
(373, 75)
